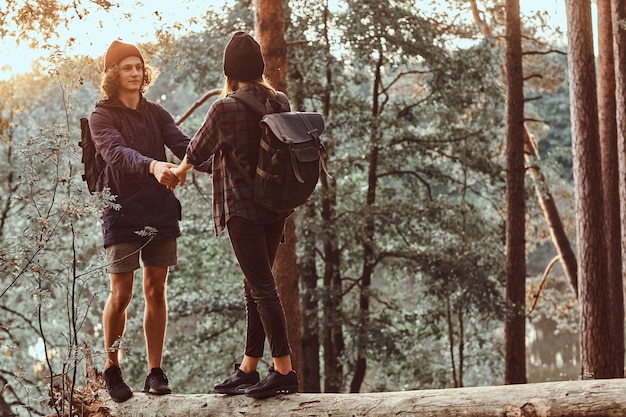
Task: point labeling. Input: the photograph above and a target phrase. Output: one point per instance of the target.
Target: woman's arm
(181, 170)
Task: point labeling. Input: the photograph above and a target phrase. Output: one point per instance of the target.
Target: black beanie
(243, 59)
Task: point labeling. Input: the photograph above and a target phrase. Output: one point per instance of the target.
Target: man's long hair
(110, 82)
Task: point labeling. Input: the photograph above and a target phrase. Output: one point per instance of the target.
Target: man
(131, 134)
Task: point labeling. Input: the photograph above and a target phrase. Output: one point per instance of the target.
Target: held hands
(180, 173)
(170, 174)
(162, 171)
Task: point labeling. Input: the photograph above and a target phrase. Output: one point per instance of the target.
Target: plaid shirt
(229, 121)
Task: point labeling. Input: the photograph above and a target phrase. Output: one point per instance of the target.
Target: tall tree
(607, 130)
(515, 355)
(546, 199)
(333, 336)
(269, 29)
(618, 14)
(309, 306)
(318, 330)
(592, 270)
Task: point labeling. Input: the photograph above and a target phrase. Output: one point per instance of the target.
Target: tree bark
(333, 338)
(309, 277)
(551, 399)
(607, 129)
(559, 237)
(594, 318)
(551, 213)
(310, 311)
(618, 12)
(515, 324)
(5, 407)
(269, 30)
(367, 241)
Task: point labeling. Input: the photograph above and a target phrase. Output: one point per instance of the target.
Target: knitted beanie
(118, 51)
(243, 59)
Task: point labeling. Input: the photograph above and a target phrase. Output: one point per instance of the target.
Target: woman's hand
(163, 174)
(180, 173)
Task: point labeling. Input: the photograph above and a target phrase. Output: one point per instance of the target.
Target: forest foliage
(414, 104)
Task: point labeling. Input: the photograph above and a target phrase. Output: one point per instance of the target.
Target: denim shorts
(124, 257)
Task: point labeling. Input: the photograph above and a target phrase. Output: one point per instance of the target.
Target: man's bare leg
(114, 316)
(155, 314)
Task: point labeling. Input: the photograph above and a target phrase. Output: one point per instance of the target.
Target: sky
(95, 33)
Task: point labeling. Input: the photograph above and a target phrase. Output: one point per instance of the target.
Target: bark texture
(592, 270)
(592, 398)
(559, 237)
(551, 212)
(607, 129)
(332, 331)
(618, 14)
(515, 325)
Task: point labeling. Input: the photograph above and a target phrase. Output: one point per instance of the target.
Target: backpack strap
(251, 102)
(282, 101)
(316, 138)
(256, 106)
(277, 104)
(93, 163)
(229, 152)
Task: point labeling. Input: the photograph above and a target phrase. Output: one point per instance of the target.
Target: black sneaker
(116, 387)
(274, 383)
(157, 383)
(237, 382)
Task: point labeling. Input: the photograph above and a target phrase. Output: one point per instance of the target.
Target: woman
(254, 232)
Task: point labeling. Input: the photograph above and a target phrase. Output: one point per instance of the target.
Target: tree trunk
(550, 399)
(8, 199)
(5, 407)
(515, 325)
(618, 11)
(594, 318)
(309, 291)
(333, 339)
(551, 212)
(367, 241)
(310, 313)
(559, 237)
(269, 30)
(607, 129)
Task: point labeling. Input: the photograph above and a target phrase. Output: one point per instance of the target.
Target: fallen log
(589, 398)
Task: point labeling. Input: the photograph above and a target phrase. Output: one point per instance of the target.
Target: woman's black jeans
(255, 247)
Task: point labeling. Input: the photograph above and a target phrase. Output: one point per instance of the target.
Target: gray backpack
(291, 154)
